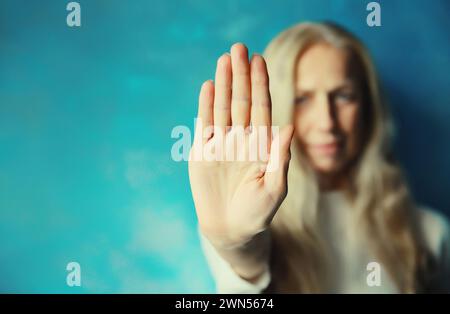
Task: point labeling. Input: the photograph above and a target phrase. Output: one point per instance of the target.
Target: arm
(236, 200)
(226, 278)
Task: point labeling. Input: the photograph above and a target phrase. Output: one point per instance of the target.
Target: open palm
(236, 199)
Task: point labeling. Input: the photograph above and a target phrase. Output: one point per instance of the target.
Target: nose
(325, 113)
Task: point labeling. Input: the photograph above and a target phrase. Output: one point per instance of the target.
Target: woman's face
(327, 108)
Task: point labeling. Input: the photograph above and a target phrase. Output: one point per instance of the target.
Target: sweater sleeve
(445, 258)
(443, 285)
(437, 236)
(226, 279)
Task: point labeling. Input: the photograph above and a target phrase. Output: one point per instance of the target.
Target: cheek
(349, 118)
(301, 126)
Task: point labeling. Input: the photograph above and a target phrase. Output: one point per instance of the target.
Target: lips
(325, 149)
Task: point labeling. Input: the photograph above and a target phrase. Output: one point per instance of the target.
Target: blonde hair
(378, 192)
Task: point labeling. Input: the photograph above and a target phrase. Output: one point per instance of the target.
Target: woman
(348, 204)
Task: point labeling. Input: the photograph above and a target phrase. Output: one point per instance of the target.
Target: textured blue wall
(86, 116)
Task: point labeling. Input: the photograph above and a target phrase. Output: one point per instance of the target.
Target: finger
(261, 108)
(222, 93)
(241, 94)
(205, 110)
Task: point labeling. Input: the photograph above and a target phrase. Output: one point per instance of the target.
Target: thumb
(286, 135)
(280, 152)
(280, 155)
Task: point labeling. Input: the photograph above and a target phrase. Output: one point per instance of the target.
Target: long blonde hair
(378, 192)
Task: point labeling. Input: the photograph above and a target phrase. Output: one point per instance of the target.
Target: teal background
(86, 116)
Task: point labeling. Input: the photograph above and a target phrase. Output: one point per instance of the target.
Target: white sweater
(349, 251)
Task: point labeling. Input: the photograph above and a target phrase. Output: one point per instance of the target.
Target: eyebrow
(348, 84)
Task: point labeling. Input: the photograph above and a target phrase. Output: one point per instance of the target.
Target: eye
(345, 97)
(301, 100)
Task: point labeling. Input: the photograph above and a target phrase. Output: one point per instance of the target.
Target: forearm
(250, 260)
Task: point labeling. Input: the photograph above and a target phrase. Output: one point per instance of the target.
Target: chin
(326, 165)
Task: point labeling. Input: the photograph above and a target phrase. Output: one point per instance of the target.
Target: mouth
(326, 149)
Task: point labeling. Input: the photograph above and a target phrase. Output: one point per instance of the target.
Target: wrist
(240, 243)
